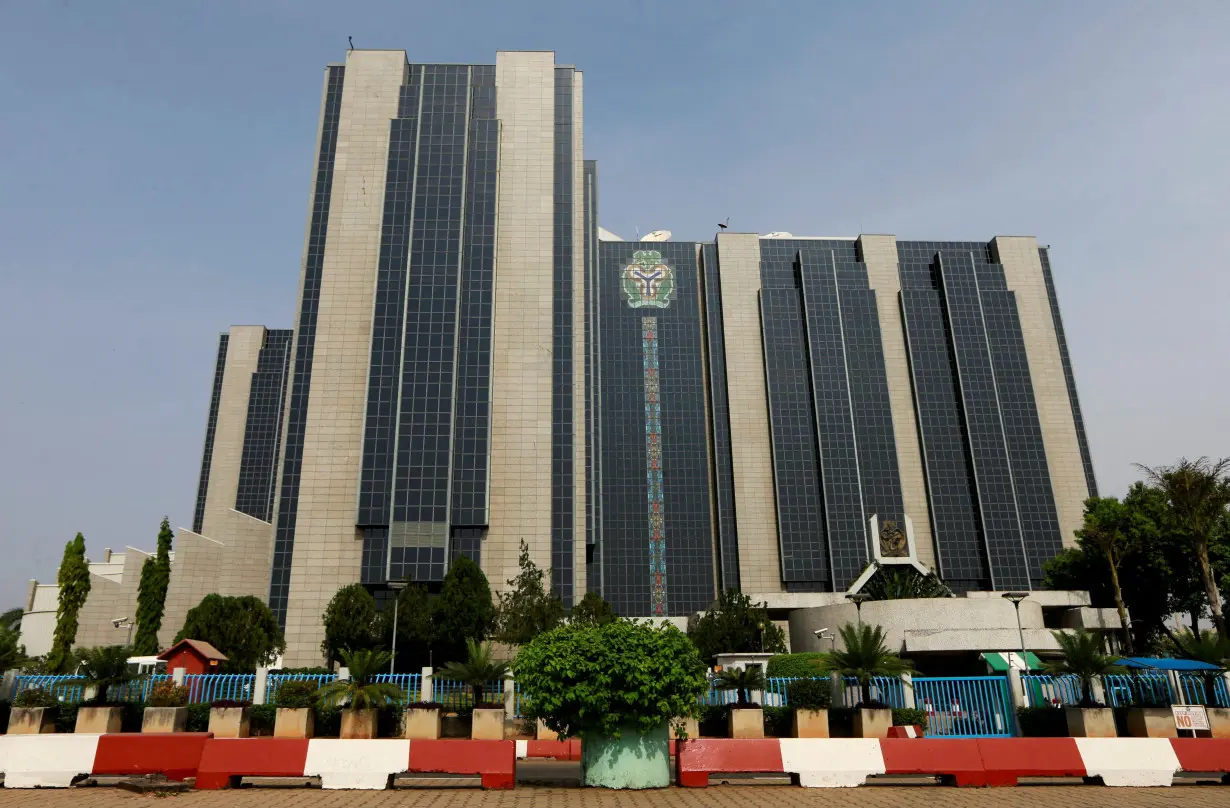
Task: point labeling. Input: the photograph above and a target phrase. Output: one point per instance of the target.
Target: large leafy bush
(595, 681)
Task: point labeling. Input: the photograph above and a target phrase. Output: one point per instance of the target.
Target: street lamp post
(397, 587)
(1016, 598)
(858, 599)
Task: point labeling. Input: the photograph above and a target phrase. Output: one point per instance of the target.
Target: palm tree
(902, 584)
(741, 680)
(1198, 492)
(1083, 658)
(1115, 531)
(864, 657)
(477, 670)
(104, 667)
(1208, 647)
(360, 691)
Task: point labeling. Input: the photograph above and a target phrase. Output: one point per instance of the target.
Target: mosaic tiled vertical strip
(653, 467)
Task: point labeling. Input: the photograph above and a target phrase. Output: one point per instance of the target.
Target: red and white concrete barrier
(843, 762)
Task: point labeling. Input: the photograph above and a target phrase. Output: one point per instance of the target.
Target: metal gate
(965, 706)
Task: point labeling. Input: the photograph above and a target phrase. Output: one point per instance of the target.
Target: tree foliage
(741, 680)
(12, 652)
(361, 691)
(1083, 658)
(105, 667)
(596, 681)
(413, 608)
(11, 618)
(905, 583)
(864, 656)
(243, 628)
(477, 670)
(152, 593)
(592, 610)
(462, 611)
(1198, 492)
(1116, 531)
(733, 624)
(527, 609)
(74, 581)
(349, 622)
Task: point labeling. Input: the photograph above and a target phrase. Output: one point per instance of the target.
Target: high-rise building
(476, 364)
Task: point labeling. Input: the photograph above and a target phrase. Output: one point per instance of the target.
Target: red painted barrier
(224, 760)
(1202, 754)
(956, 758)
(494, 761)
(700, 757)
(559, 750)
(177, 755)
(1007, 759)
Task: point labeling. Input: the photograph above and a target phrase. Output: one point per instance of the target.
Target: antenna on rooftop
(350, 39)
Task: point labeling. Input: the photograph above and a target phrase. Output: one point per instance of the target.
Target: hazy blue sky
(155, 163)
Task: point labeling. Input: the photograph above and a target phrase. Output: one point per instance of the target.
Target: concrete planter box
(810, 724)
(1091, 722)
(1219, 722)
(424, 722)
(230, 722)
(746, 722)
(161, 720)
(690, 726)
(359, 723)
(32, 720)
(294, 722)
(631, 761)
(99, 720)
(1152, 722)
(487, 725)
(872, 723)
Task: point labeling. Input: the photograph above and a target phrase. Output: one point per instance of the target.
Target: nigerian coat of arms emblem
(647, 281)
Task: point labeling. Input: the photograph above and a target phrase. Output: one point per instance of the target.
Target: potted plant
(1208, 647)
(361, 694)
(863, 657)
(103, 668)
(809, 700)
(617, 687)
(424, 720)
(34, 712)
(476, 672)
(1083, 658)
(230, 718)
(167, 710)
(296, 714)
(745, 719)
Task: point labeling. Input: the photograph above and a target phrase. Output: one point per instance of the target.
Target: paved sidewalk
(713, 797)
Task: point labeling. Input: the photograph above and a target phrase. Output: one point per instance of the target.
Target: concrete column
(343, 674)
(510, 698)
(578, 339)
(8, 685)
(1016, 692)
(837, 690)
(751, 446)
(260, 688)
(520, 475)
(907, 691)
(1099, 690)
(427, 688)
(1023, 273)
(328, 550)
(177, 676)
(1176, 687)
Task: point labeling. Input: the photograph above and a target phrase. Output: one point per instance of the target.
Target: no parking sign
(1190, 717)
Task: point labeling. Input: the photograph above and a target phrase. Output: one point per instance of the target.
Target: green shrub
(133, 716)
(328, 721)
(389, 722)
(1043, 722)
(261, 718)
(777, 721)
(35, 697)
(841, 722)
(168, 694)
(809, 694)
(66, 717)
(586, 680)
(903, 716)
(795, 666)
(198, 718)
(297, 694)
(712, 721)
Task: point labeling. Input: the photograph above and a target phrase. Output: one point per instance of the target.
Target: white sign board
(1190, 717)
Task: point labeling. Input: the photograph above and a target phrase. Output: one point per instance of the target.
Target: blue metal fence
(205, 688)
(138, 690)
(276, 680)
(454, 695)
(1195, 692)
(68, 689)
(1045, 690)
(965, 706)
(410, 684)
(1138, 689)
(886, 689)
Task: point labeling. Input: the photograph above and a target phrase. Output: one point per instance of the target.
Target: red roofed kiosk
(194, 656)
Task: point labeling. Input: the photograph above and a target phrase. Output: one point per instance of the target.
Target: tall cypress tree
(152, 593)
(74, 581)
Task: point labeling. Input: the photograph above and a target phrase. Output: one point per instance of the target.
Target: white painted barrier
(356, 763)
(46, 761)
(832, 762)
(1129, 761)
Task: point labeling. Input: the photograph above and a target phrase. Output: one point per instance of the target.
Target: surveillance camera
(119, 621)
(820, 632)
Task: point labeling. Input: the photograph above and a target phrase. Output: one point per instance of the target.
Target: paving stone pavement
(713, 797)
